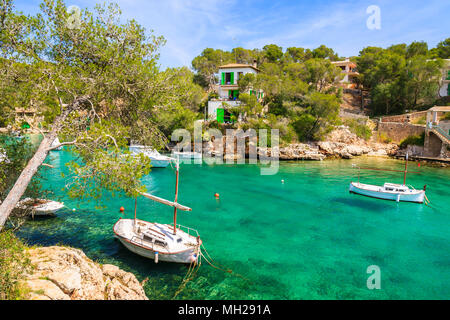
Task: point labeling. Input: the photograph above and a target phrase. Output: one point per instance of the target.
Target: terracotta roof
(237, 65)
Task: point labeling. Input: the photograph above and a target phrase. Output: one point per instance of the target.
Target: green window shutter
(220, 115)
(223, 78)
(232, 78)
(448, 74)
(448, 89)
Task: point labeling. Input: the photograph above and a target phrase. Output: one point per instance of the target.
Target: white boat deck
(156, 236)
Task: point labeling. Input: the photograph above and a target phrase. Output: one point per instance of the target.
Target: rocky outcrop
(62, 273)
(301, 151)
(342, 143)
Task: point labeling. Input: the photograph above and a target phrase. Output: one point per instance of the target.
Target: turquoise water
(305, 239)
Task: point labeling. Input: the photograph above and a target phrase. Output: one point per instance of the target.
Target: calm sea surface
(306, 238)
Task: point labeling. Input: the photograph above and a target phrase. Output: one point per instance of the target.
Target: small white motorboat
(157, 159)
(186, 155)
(161, 242)
(56, 143)
(40, 207)
(390, 191)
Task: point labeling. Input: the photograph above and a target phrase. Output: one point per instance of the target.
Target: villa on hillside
(228, 91)
(349, 70)
(27, 117)
(444, 89)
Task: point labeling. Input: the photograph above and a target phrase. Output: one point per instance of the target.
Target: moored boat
(161, 242)
(40, 207)
(390, 191)
(56, 145)
(157, 160)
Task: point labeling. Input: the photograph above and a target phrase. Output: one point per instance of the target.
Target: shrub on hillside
(417, 140)
(14, 263)
(358, 128)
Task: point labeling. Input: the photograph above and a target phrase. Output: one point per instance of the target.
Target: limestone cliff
(62, 273)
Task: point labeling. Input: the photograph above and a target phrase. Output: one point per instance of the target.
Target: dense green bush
(14, 263)
(358, 128)
(417, 140)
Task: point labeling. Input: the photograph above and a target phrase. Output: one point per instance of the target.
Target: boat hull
(155, 163)
(417, 197)
(185, 254)
(181, 257)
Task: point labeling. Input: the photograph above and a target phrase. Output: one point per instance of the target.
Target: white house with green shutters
(444, 89)
(228, 91)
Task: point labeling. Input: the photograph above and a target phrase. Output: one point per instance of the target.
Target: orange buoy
(122, 209)
(216, 195)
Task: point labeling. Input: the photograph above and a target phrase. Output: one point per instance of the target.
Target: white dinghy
(157, 159)
(390, 191)
(40, 207)
(161, 242)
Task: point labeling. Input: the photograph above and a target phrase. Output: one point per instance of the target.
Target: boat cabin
(395, 187)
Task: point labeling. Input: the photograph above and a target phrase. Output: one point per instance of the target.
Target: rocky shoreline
(62, 273)
(340, 143)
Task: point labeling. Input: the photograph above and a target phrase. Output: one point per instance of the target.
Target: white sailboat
(164, 242)
(390, 191)
(55, 143)
(40, 207)
(157, 159)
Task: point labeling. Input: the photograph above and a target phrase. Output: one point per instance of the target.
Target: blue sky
(189, 26)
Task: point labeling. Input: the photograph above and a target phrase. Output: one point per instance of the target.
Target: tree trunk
(36, 161)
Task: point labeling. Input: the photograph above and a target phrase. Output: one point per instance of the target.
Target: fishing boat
(157, 241)
(186, 155)
(40, 207)
(390, 191)
(56, 143)
(157, 159)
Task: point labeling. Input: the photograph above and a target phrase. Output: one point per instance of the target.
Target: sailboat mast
(135, 209)
(406, 169)
(176, 197)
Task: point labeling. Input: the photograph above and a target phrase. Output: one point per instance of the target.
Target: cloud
(189, 26)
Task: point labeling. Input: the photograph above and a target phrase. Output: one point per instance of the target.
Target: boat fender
(193, 257)
(425, 188)
(156, 256)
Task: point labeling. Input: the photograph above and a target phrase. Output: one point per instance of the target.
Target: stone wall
(405, 118)
(399, 131)
(433, 145)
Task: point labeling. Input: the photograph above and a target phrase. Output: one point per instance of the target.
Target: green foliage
(358, 128)
(114, 64)
(318, 117)
(14, 263)
(16, 153)
(399, 77)
(417, 140)
(272, 52)
(442, 50)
